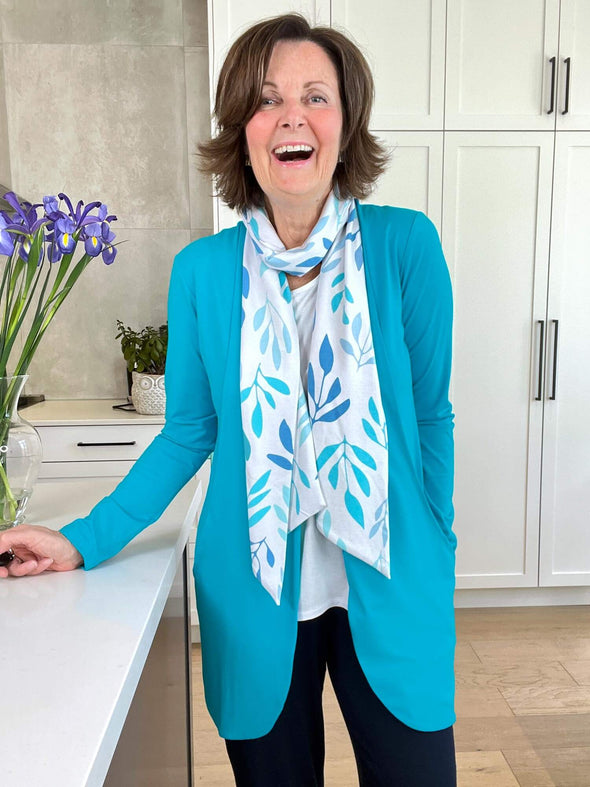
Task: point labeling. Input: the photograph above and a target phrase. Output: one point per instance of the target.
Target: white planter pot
(148, 393)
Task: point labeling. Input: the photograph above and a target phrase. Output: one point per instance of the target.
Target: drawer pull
(131, 442)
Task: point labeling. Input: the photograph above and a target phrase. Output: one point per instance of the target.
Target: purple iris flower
(24, 224)
(62, 229)
(107, 234)
(88, 225)
(81, 217)
(26, 220)
(64, 234)
(50, 204)
(108, 254)
(6, 238)
(93, 239)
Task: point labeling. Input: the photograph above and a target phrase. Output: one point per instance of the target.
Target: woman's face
(300, 109)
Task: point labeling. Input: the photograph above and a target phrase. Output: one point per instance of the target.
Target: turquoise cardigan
(403, 628)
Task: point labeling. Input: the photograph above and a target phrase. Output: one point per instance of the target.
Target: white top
(73, 645)
(323, 575)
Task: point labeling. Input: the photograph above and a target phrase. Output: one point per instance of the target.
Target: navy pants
(388, 753)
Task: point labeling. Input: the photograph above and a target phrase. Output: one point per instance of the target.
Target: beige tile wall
(4, 149)
(107, 101)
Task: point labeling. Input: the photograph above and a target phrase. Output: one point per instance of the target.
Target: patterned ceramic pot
(148, 393)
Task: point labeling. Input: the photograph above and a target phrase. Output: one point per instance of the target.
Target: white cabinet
(522, 65)
(88, 437)
(521, 380)
(574, 52)
(565, 502)
(497, 210)
(498, 74)
(404, 44)
(414, 176)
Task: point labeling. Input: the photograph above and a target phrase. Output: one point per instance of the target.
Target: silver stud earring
(340, 158)
(247, 162)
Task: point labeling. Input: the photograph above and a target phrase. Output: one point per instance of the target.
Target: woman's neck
(294, 224)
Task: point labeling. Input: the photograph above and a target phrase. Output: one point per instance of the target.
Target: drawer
(87, 443)
(88, 469)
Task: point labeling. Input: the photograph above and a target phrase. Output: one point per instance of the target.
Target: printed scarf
(324, 454)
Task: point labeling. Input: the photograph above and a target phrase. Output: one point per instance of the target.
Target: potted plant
(145, 354)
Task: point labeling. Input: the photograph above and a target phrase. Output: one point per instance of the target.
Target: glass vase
(21, 454)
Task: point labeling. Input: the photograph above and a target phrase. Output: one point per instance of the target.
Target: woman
(316, 336)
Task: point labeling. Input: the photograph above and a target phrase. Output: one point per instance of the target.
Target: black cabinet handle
(553, 62)
(131, 442)
(539, 395)
(554, 375)
(568, 72)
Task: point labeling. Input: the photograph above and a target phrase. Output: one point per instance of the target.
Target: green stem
(7, 493)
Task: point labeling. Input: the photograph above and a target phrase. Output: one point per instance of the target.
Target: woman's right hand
(37, 549)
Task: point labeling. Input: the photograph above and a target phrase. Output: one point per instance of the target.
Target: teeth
(293, 149)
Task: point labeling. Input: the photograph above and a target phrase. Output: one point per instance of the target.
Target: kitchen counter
(73, 412)
(73, 645)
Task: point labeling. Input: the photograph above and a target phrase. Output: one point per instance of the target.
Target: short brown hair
(238, 96)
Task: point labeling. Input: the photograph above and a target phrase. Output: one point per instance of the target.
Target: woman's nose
(293, 115)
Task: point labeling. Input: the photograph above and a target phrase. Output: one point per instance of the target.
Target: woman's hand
(37, 549)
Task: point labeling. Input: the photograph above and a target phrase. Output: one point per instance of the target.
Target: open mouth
(293, 152)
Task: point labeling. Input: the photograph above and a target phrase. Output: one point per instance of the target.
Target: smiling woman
(293, 153)
(293, 139)
(325, 541)
(337, 75)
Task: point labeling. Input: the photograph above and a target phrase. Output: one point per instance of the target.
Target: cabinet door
(496, 214)
(574, 43)
(404, 45)
(414, 176)
(565, 502)
(498, 69)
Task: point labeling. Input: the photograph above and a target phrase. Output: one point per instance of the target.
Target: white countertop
(73, 645)
(72, 412)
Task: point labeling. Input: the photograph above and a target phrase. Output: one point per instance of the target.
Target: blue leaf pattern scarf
(323, 455)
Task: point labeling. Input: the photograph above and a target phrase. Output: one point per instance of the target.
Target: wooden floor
(522, 704)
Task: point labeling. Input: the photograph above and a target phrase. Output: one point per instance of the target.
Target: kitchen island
(73, 647)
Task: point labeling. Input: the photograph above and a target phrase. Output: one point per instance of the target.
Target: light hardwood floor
(522, 704)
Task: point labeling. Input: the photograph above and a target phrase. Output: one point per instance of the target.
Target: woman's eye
(265, 102)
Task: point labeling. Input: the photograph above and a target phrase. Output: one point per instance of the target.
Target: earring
(340, 158)
(247, 162)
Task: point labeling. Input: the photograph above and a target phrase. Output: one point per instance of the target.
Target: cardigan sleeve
(175, 454)
(427, 313)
